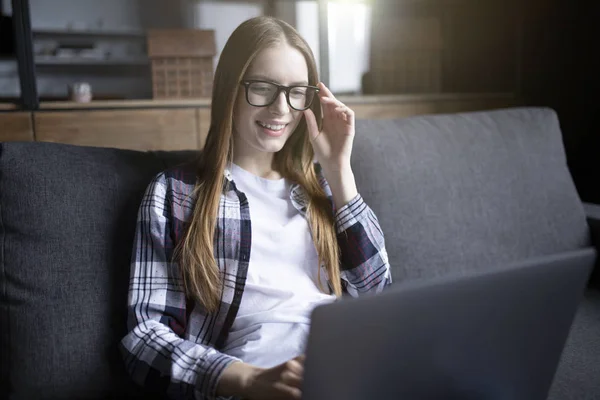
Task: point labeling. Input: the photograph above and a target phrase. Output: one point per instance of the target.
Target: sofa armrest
(592, 213)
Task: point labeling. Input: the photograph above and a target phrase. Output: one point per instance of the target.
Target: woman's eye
(298, 92)
(261, 89)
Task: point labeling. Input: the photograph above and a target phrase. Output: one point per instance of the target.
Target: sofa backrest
(463, 192)
(67, 223)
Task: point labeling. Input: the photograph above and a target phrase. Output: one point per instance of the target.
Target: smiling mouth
(274, 128)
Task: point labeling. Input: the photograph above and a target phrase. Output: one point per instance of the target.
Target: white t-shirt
(281, 287)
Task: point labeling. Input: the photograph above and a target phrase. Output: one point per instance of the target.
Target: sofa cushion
(67, 222)
(577, 376)
(456, 193)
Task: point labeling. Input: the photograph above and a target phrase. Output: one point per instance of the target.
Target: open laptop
(494, 335)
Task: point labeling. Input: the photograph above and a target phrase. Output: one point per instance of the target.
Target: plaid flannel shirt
(173, 343)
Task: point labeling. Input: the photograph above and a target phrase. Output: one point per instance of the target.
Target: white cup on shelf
(80, 92)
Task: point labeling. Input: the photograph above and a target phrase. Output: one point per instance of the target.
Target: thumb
(311, 124)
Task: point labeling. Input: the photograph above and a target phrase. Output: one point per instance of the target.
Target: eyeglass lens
(261, 94)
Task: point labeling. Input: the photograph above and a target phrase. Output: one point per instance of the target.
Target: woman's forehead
(281, 64)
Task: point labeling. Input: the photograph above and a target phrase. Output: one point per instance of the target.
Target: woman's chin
(272, 144)
(272, 147)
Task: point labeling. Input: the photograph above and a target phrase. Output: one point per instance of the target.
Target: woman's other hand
(282, 382)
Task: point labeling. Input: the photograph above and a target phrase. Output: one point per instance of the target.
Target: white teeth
(271, 127)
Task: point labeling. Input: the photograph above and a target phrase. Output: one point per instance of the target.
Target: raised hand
(333, 143)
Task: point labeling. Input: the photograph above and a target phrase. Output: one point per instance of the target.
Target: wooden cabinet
(184, 124)
(16, 127)
(406, 56)
(150, 129)
(402, 106)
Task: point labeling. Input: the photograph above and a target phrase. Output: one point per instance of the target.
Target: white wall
(223, 18)
(349, 37)
(307, 24)
(349, 31)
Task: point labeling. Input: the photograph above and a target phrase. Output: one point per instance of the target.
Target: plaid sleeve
(155, 353)
(364, 261)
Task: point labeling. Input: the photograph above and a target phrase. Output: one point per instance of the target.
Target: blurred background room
(137, 74)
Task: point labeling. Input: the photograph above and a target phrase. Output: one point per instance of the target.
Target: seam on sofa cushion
(593, 219)
(4, 369)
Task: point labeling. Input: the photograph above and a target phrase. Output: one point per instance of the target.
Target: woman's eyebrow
(266, 78)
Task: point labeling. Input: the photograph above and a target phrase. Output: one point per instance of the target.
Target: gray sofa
(459, 192)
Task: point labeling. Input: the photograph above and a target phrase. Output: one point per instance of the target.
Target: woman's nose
(280, 105)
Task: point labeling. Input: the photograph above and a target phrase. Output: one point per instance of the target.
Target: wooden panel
(424, 98)
(187, 128)
(407, 109)
(406, 56)
(481, 46)
(203, 115)
(169, 129)
(411, 33)
(16, 127)
(99, 104)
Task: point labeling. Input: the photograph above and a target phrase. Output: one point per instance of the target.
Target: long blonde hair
(294, 161)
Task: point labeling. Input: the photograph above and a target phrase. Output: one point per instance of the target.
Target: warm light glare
(348, 26)
(349, 1)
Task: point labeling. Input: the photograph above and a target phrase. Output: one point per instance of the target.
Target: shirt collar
(227, 174)
(298, 195)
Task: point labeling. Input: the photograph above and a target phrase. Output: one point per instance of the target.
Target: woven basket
(182, 62)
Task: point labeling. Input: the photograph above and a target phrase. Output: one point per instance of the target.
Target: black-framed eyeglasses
(263, 94)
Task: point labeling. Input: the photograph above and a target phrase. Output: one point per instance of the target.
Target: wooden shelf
(373, 101)
(422, 97)
(49, 60)
(124, 104)
(91, 32)
(8, 106)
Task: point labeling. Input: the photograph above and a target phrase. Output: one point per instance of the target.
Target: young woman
(233, 253)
